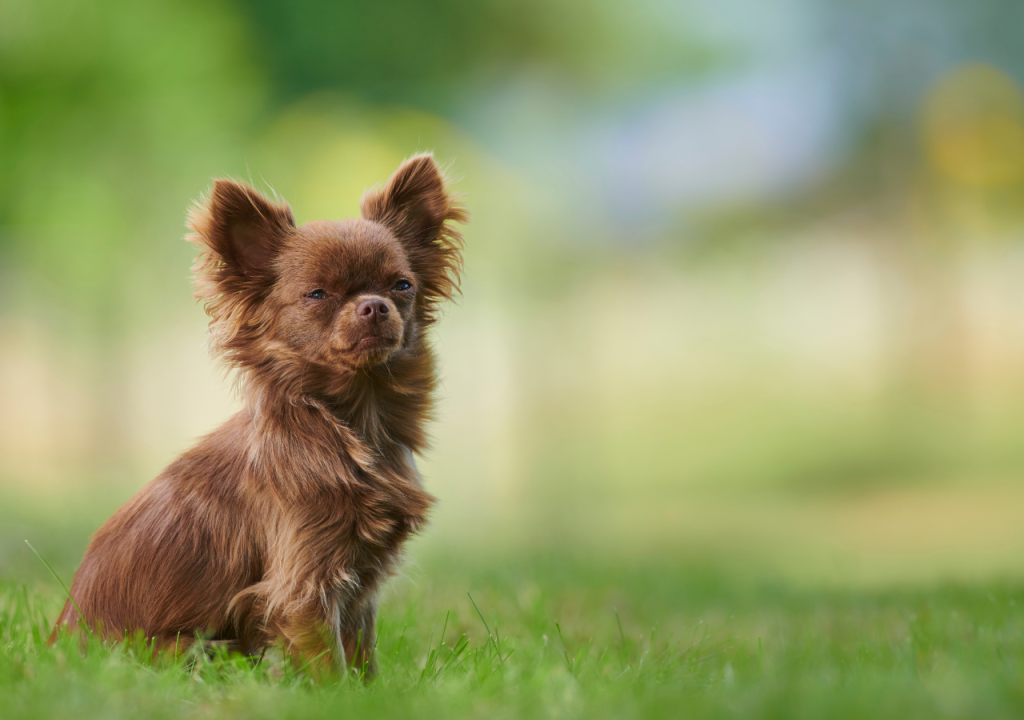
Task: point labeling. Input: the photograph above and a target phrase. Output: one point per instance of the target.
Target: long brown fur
(281, 525)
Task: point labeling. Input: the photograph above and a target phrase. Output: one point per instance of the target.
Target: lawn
(568, 635)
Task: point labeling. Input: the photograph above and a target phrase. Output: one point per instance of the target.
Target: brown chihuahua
(282, 524)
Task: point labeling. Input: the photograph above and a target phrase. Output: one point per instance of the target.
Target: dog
(282, 524)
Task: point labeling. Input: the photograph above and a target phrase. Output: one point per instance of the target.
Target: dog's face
(345, 294)
(328, 297)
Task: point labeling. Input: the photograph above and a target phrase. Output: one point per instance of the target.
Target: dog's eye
(317, 294)
(402, 285)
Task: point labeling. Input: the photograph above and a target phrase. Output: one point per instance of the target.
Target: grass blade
(488, 629)
(81, 618)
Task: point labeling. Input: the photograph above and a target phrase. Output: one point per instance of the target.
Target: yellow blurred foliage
(973, 124)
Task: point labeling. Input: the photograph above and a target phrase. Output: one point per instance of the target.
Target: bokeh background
(744, 281)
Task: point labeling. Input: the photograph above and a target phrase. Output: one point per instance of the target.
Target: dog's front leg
(359, 637)
(308, 625)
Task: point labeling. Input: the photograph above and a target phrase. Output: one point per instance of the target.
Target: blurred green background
(743, 281)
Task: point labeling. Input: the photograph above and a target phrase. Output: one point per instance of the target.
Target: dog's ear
(415, 205)
(242, 227)
(240, 232)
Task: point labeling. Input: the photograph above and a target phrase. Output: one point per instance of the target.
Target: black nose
(374, 310)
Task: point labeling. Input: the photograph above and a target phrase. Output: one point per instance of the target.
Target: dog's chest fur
(351, 504)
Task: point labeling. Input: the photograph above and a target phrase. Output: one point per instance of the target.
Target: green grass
(571, 637)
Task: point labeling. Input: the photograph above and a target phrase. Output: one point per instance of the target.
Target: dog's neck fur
(369, 410)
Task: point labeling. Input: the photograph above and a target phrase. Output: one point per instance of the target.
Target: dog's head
(313, 301)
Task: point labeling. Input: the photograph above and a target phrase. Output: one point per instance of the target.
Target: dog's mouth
(372, 346)
(371, 342)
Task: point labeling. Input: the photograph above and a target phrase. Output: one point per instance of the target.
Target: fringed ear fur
(240, 231)
(415, 206)
(242, 226)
